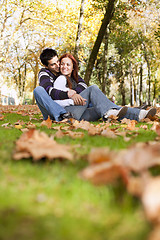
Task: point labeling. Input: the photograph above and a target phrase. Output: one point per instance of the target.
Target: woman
(102, 107)
(69, 80)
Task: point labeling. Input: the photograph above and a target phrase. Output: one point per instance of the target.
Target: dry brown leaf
(47, 123)
(38, 145)
(145, 127)
(74, 134)
(93, 130)
(158, 130)
(151, 200)
(59, 134)
(136, 184)
(155, 234)
(131, 125)
(126, 139)
(154, 126)
(108, 133)
(140, 156)
(1, 117)
(30, 125)
(104, 173)
(99, 155)
(82, 124)
(125, 121)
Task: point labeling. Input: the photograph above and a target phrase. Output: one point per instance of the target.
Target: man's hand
(78, 99)
(71, 92)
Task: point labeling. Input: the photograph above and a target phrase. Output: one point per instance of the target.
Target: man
(47, 76)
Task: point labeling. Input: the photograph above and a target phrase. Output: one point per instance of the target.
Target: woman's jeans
(100, 105)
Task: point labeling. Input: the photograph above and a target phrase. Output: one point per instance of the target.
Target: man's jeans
(47, 105)
(100, 105)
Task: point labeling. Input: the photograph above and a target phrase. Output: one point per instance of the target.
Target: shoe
(146, 113)
(115, 112)
(66, 115)
(144, 106)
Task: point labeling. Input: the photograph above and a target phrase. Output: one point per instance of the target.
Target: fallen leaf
(99, 155)
(131, 125)
(104, 173)
(151, 199)
(47, 123)
(155, 233)
(1, 117)
(38, 145)
(158, 130)
(145, 127)
(108, 133)
(140, 156)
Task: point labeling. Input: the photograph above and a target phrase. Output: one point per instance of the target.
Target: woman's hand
(78, 99)
(71, 92)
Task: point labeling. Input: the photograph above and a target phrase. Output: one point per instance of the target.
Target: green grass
(48, 201)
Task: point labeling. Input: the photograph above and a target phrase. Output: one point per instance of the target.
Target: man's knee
(38, 90)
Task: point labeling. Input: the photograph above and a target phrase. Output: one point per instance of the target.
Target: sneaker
(66, 115)
(115, 112)
(146, 113)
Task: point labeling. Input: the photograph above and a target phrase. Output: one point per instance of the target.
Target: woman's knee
(93, 88)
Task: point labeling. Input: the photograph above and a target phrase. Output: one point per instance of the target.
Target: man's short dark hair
(47, 54)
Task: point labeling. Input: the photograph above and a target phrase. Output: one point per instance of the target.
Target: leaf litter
(132, 165)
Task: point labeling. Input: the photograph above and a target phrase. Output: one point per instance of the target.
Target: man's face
(53, 65)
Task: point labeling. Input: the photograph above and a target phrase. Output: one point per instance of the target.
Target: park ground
(76, 190)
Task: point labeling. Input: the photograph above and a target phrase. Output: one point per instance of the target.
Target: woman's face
(66, 66)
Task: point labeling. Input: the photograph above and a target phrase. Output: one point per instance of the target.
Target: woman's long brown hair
(74, 73)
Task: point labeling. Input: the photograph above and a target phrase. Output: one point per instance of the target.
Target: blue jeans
(47, 105)
(101, 104)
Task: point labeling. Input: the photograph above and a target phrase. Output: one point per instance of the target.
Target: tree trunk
(121, 78)
(140, 84)
(149, 82)
(149, 73)
(79, 29)
(135, 92)
(35, 78)
(105, 73)
(106, 20)
(131, 86)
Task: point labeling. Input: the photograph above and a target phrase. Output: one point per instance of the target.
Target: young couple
(63, 93)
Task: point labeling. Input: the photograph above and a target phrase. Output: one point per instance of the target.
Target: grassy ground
(49, 201)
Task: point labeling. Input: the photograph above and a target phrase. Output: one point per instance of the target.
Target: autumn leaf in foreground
(151, 199)
(103, 173)
(140, 157)
(38, 145)
(103, 169)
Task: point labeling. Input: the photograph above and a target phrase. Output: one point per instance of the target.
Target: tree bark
(79, 29)
(35, 78)
(149, 73)
(105, 73)
(140, 84)
(106, 20)
(131, 85)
